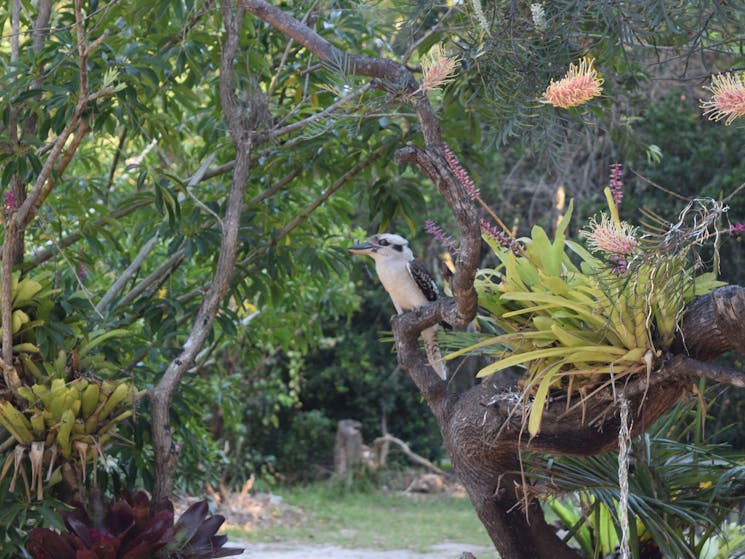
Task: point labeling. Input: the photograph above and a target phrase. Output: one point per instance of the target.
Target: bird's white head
(385, 246)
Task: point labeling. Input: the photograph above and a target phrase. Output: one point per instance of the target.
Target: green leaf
(96, 340)
(25, 347)
(553, 352)
(539, 400)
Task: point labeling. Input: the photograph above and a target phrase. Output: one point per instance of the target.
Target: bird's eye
(383, 243)
(399, 248)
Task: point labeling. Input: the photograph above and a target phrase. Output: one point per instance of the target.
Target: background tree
(103, 166)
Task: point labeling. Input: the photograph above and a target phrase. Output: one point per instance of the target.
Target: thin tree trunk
(166, 451)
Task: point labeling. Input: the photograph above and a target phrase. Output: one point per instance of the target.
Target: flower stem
(612, 206)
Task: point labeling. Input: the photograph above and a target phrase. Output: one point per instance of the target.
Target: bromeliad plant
(65, 423)
(63, 408)
(132, 528)
(578, 319)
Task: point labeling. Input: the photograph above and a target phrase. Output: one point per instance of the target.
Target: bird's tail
(432, 348)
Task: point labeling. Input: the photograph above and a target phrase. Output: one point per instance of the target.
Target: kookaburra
(407, 281)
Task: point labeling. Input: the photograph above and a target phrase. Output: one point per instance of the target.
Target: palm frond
(680, 493)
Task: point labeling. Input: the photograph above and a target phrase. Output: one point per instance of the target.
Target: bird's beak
(363, 248)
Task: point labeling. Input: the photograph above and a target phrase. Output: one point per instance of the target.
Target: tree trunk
(241, 119)
(347, 447)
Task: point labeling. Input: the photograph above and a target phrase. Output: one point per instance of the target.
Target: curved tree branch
(241, 130)
(397, 76)
(713, 325)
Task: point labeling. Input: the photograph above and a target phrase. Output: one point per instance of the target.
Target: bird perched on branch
(407, 281)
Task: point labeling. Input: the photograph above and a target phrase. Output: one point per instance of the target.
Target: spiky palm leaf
(680, 493)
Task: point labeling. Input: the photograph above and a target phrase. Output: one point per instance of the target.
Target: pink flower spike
(495, 233)
(441, 237)
(728, 98)
(580, 84)
(737, 229)
(616, 183)
(462, 175)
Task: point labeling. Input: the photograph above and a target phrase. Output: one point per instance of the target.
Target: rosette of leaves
(64, 407)
(31, 306)
(134, 527)
(578, 319)
(195, 535)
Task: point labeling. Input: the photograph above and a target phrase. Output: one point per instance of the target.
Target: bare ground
(249, 510)
(304, 551)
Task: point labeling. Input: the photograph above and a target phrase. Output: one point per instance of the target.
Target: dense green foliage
(138, 193)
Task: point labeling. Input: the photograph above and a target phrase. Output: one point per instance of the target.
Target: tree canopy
(181, 181)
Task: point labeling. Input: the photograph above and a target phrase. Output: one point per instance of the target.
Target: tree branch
(11, 239)
(397, 76)
(157, 276)
(43, 183)
(713, 324)
(277, 132)
(271, 190)
(131, 270)
(285, 54)
(406, 449)
(115, 161)
(682, 365)
(166, 454)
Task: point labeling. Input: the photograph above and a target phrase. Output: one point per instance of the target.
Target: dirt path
(304, 551)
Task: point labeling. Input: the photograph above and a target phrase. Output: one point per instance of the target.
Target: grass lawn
(374, 519)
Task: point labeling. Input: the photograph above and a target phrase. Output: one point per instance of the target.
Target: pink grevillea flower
(462, 174)
(737, 229)
(580, 84)
(10, 201)
(440, 236)
(728, 98)
(610, 237)
(616, 182)
(437, 69)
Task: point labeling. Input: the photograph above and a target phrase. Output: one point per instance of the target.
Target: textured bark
(713, 325)
(482, 427)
